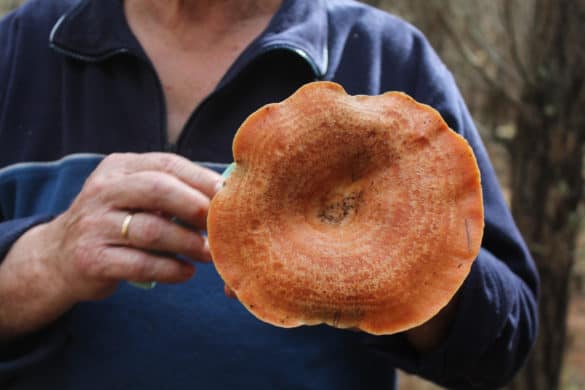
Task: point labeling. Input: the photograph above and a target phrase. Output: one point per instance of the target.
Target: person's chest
(186, 79)
(118, 105)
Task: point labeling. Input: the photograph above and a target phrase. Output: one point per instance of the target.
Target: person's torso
(109, 99)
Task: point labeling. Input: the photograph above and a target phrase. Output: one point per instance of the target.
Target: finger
(155, 233)
(196, 176)
(159, 192)
(229, 292)
(124, 263)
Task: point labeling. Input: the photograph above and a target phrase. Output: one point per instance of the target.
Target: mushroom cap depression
(355, 211)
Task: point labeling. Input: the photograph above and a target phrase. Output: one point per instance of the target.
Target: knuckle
(89, 262)
(83, 226)
(152, 233)
(178, 167)
(116, 159)
(90, 223)
(169, 163)
(96, 185)
(153, 184)
(156, 185)
(112, 165)
(100, 185)
(144, 270)
(111, 158)
(108, 162)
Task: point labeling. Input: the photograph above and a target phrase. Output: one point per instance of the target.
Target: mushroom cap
(355, 211)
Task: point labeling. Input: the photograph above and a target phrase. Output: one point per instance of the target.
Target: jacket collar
(94, 30)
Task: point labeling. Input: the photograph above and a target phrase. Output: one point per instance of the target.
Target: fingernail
(229, 292)
(206, 248)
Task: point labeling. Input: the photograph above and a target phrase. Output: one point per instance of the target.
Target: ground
(574, 370)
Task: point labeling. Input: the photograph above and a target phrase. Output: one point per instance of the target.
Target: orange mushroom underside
(355, 211)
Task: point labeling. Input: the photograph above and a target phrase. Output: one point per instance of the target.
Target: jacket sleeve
(16, 358)
(31, 194)
(497, 317)
(26, 353)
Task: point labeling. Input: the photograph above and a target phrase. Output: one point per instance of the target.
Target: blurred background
(520, 65)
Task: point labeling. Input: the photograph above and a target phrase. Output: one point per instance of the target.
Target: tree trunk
(546, 160)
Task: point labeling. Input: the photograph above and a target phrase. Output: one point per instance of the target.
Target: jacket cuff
(489, 335)
(10, 231)
(20, 356)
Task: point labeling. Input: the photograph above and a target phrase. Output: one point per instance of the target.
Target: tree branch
(494, 57)
(472, 60)
(513, 43)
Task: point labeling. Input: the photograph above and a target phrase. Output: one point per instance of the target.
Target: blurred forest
(520, 65)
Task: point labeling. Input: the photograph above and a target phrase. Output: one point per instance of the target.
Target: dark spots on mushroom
(255, 224)
(336, 211)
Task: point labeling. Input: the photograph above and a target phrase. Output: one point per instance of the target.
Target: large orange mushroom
(355, 211)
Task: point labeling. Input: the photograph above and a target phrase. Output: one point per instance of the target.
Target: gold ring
(126, 225)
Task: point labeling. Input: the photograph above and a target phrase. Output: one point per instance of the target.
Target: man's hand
(83, 254)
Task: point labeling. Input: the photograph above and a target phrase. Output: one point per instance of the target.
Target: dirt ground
(574, 372)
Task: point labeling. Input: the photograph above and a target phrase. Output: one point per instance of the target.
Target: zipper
(163, 144)
(223, 84)
(166, 146)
